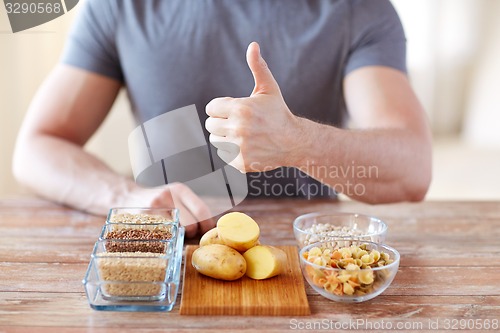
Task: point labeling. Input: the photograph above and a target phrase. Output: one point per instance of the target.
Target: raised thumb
(264, 79)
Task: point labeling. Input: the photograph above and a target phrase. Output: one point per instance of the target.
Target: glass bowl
(320, 264)
(134, 231)
(141, 215)
(315, 227)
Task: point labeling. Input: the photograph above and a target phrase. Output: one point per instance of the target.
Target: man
(330, 62)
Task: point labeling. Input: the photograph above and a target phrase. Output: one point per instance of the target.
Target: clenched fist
(256, 133)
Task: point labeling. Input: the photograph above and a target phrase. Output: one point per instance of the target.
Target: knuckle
(210, 107)
(244, 111)
(208, 123)
(177, 187)
(241, 131)
(211, 124)
(214, 104)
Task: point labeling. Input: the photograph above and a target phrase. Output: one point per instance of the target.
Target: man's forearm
(62, 171)
(390, 160)
(370, 165)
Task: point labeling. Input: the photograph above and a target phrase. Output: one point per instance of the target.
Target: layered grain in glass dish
(135, 264)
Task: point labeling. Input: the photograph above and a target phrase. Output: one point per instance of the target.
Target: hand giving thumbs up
(261, 126)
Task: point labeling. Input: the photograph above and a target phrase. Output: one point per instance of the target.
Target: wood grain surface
(450, 259)
(282, 295)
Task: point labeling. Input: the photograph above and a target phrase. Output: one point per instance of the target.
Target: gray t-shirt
(174, 53)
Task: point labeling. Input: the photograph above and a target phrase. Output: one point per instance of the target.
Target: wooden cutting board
(282, 295)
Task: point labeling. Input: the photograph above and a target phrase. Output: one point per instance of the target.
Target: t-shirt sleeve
(377, 37)
(91, 44)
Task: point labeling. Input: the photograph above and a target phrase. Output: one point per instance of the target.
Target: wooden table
(450, 271)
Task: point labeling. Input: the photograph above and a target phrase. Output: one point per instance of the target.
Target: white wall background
(453, 52)
(453, 47)
(25, 60)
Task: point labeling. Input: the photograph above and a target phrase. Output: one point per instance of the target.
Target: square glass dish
(134, 231)
(134, 281)
(140, 215)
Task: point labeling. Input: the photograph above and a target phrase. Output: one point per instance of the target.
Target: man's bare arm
(388, 151)
(49, 156)
(391, 142)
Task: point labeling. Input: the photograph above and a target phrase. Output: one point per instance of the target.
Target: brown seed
(137, 234)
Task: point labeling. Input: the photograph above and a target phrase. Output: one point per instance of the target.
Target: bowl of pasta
(349, 270)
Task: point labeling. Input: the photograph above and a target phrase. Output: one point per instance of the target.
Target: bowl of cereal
(316, 227)
(349, 270)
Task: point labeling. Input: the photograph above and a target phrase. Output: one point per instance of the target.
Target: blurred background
(453, 52)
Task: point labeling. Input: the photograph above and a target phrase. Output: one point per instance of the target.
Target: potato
(211, 237)
(219, 261)
(238, 231)
(264, 262)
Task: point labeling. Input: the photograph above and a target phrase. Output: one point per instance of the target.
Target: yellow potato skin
(219, 262)
(211, 237)
(264, 262)
(238, 231)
